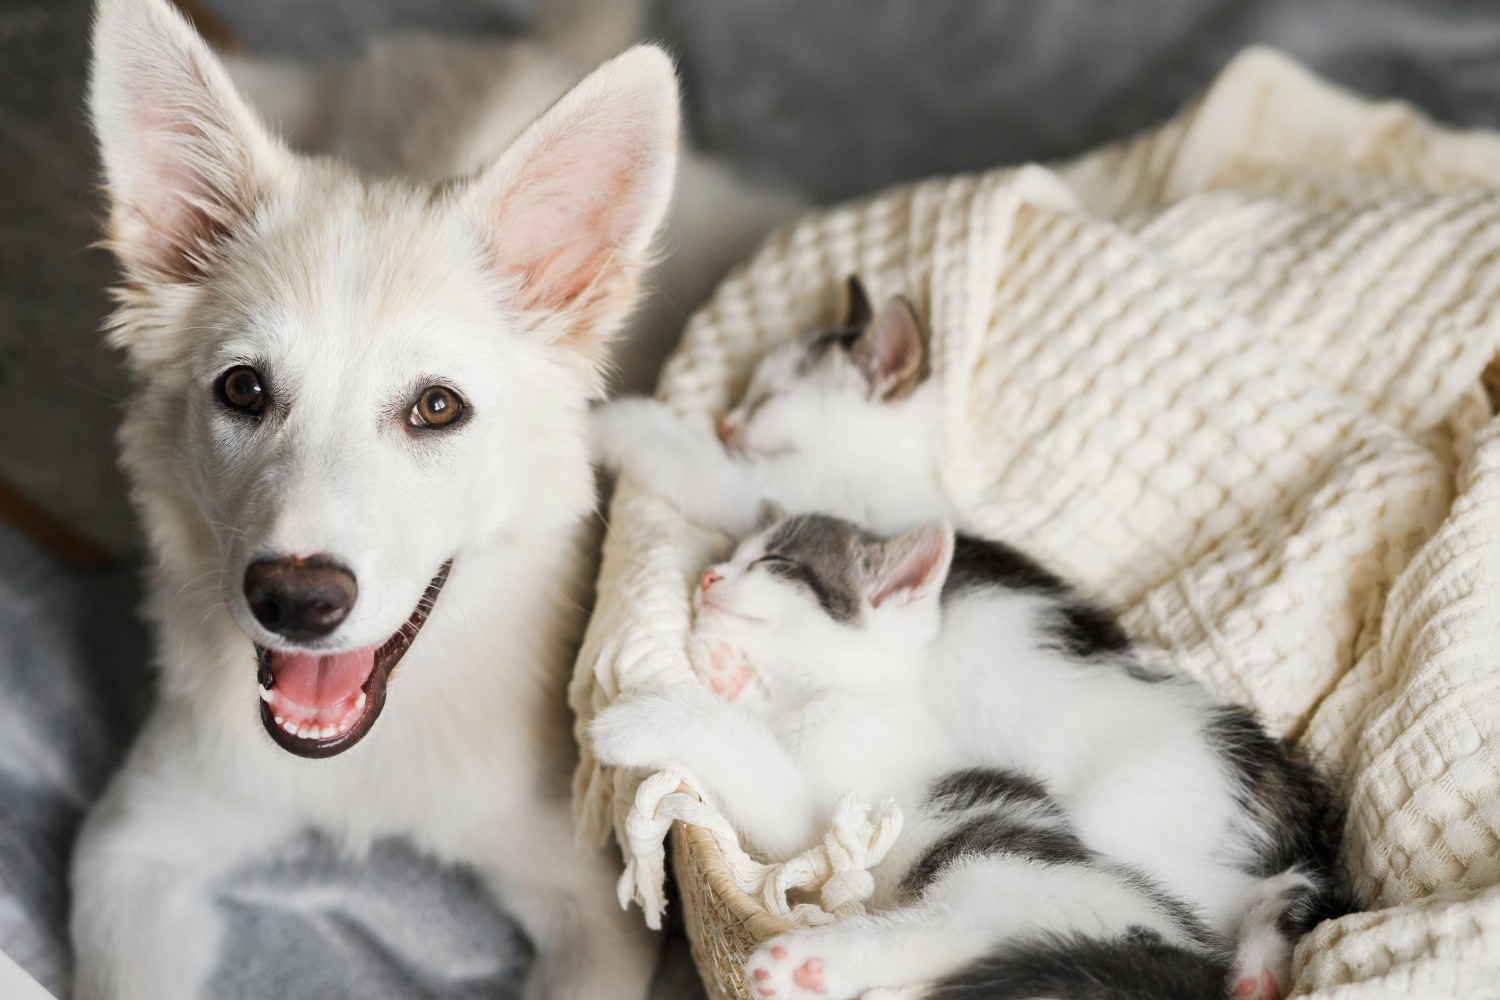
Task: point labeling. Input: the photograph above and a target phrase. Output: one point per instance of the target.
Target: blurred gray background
(833, 97)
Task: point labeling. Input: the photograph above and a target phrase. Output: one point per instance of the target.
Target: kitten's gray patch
(825, 555)
(1074, 626)
(1308, 906)
(1022, 825)
(1294, 805)
(1175, 909)
(959, 791)
(979, 563)
(992, 835)
(818, 345)
(1137, 964)
(1085, 631)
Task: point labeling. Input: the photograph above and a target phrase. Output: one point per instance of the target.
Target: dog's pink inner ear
(189, 196)
(184, 158)
(560, 243)
(570, 210)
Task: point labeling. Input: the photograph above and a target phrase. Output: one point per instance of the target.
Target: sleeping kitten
(838, 420)
(1073, 818)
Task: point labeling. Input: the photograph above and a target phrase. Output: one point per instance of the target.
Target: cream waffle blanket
(1226, 376)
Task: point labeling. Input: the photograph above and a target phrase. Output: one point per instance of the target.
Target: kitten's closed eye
(752, 406)
(799, 573)
(782, 566)
(734, 422)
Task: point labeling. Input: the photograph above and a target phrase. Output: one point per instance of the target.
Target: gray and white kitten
(838, 420)
(1077, 824)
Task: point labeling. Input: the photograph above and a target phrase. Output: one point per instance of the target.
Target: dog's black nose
(300, 598)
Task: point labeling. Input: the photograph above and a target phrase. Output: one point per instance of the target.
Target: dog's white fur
(352, 293)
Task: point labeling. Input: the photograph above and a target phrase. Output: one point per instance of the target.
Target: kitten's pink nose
(728, 427)
(709, 579)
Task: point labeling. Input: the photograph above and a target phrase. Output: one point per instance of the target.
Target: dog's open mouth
(318, 705)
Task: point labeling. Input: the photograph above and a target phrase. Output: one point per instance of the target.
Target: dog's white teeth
(360, 701)
(303, 732)
(266, 695)
(330, 730)
(290, 727)
(343, 727)
(279, 720)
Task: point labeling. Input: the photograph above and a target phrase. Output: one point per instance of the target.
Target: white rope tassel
(857, 843)
(839, 868)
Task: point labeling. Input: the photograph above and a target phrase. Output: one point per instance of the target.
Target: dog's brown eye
(437, 406)
(240, 388)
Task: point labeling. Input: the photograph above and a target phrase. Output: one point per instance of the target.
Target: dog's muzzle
(321, 704)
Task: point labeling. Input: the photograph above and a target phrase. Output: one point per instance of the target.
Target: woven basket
(723, 923)
(1374, 483)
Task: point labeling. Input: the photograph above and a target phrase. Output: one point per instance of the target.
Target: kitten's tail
(1076, 967)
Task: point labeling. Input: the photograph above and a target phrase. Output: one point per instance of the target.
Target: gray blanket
(72, 666)
(838, 97)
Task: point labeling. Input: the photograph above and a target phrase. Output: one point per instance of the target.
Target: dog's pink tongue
(315, 681)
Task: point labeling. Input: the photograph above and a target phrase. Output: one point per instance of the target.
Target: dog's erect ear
(568, 213)
(184, 157)
(892, 352)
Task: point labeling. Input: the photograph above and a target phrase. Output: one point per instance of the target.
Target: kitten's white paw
(1262, 966)
(790, 968)
(638, 732)
(1263, 959)
(623, 432)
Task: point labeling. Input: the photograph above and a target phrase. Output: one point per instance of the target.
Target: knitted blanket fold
(1225, 376)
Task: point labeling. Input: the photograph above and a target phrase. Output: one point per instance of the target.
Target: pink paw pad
(1262, 988)
(738, 678)
(729, 672)
(783, 970)
(809, 975)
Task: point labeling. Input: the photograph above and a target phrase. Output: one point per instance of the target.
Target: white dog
(357, 440)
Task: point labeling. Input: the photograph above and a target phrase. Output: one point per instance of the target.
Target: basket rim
(707, 860)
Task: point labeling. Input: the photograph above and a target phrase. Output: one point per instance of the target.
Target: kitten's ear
(185, 160)
(857, 310)
(892, 352)
(911, 567)
(768, 513)
(568, 213)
